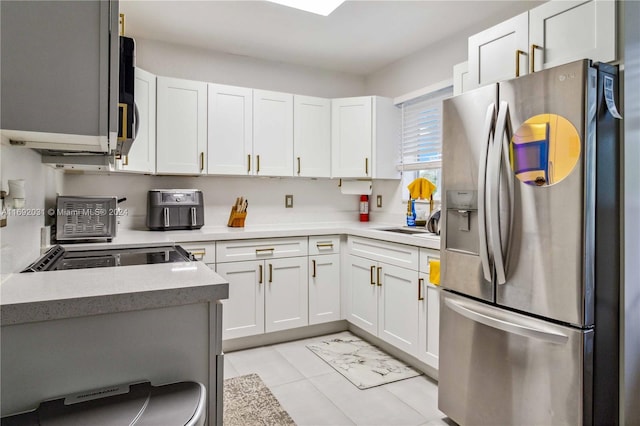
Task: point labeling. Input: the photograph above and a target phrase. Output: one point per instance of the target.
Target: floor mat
(362, 363)
(248, 401)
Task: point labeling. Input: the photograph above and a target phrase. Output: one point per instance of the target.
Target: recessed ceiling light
(319, 7)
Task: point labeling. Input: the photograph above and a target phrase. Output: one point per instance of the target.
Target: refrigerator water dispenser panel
(462, 221)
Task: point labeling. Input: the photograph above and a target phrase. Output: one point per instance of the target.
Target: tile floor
(313, 393)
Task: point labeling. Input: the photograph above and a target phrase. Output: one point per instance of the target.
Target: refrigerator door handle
(482, 186)
(501, 156)
(507, 326)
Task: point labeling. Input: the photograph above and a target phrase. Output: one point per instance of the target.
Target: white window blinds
(421, 146)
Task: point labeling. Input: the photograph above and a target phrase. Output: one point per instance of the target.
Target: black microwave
(127, 111)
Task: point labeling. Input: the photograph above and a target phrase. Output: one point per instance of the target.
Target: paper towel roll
(356, 187)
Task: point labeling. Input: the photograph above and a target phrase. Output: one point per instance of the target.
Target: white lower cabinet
(267, 290)
(324, 288)
(362, 294)
(243, 312)
(398, 307)
(429, 329)
(286, 294)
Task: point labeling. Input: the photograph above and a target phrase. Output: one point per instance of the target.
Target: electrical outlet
(379, 201)
(288, 201)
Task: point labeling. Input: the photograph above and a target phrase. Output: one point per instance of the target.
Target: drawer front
(328, 244)
(205, 251)
(240, 250)
(425, 256)
(394, 254)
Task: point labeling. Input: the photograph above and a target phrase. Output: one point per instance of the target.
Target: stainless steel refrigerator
(530, 250)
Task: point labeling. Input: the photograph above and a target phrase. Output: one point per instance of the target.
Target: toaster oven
(81, 218)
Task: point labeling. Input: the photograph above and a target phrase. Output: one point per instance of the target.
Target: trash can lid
(180, 403)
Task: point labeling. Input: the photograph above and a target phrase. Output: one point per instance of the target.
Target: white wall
(314, 200)
(20, 239)
(428, 66)
(172, 60)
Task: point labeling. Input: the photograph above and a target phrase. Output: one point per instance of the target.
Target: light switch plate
(379, 201)
(288, 201)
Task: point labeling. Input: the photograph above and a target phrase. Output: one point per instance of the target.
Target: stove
(58, 258)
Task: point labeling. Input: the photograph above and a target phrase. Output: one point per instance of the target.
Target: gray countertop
(42, 296)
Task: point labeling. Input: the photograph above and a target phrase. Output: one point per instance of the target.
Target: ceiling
(360, 37)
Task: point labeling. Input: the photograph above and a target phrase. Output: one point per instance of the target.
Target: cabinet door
(273, 133)
(324, 288)
(243, 312)
(362, 294)
(398, 307)
(230, 140)
(182, 126)
(565, 31)
(286, 293)
(142, 155)
(429, 325)
(351, 137)
(312, 136)
(500, 52)
(460, 78)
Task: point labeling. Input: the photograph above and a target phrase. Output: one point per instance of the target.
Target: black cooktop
(58, 258)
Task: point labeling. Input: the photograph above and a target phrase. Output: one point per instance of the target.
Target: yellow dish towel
(434, 271)
(421, 188)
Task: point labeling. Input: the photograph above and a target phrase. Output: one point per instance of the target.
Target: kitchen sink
(408, 230)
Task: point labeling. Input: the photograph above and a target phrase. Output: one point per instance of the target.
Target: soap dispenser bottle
(411, 213)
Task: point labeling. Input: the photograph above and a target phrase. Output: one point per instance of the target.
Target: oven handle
(166, 216)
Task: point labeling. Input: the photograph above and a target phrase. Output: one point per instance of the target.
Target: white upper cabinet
(142, 155)
(312, 136)
(460, 78)
(230, 130)
(182, 126)
(552, 34)
(272, 133)
(565, 31)
(365, 137)
(499, 53)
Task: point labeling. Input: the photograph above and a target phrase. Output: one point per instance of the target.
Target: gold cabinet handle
(379, 282)
(260, 274)
(260, 251)
(198, 254)
(258, 165)
(324, 245)
(201, 161)
(313, 262)
(533, 56)
(420, 284)
(125, 160)
(121, 22)
(366, 166)
(373, 268)
(270, 273)
(518, 53)
(248, 163)
(298, 165)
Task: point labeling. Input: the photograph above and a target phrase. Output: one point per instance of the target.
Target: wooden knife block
(236, 219)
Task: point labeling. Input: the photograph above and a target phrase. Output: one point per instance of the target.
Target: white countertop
(132, 237)
(42, 296)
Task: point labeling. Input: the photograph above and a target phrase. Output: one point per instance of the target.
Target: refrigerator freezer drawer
(499, 367)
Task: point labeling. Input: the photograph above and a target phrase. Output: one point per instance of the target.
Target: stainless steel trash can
(140, 404)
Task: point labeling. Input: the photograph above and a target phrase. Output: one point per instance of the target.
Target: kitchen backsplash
(20, 239)
(313, 200)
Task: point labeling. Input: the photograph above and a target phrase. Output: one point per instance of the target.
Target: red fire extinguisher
(364, 208)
